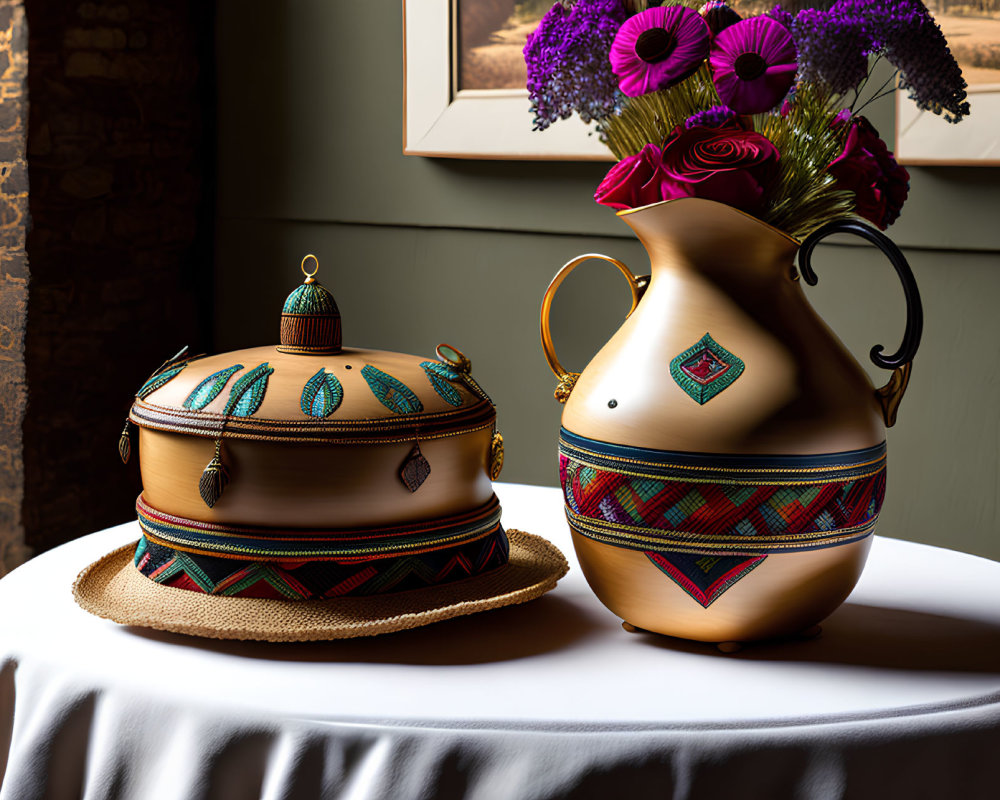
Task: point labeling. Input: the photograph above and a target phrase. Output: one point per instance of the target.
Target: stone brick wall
(120, 153)
(13, 276)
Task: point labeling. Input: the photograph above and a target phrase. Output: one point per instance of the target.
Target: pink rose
(867, 168)
(728, 163)
(634, 181)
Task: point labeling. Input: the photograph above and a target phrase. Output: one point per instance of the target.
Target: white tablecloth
(900, 697)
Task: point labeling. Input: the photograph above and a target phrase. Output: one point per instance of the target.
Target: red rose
(728, 164)
(867, 168)
(634, 181)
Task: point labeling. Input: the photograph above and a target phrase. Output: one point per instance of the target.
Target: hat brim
(114, 589)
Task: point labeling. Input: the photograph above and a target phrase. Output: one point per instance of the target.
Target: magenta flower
(728, 164)
(753, 64)
(657, 48)
(867, 168)
(637, 181)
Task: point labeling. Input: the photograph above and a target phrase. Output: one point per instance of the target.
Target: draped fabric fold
(900, 697)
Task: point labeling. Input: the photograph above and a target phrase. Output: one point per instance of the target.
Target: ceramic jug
(722, 457)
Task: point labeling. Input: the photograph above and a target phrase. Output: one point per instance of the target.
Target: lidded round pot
(311, 471)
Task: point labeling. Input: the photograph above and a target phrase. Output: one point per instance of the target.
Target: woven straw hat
(313, 491)
(114, 589)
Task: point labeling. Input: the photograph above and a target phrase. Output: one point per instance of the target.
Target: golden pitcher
(722, 457)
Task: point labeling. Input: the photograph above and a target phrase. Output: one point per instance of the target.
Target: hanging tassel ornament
(496, 455)
(125, 442)
(214, 479)
(415, 469)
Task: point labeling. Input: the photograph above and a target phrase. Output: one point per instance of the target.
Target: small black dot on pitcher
(612, 403)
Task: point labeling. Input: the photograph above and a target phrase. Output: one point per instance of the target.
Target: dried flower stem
(804, 193)
(651, 117)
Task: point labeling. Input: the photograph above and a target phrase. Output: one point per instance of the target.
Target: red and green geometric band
(319, 580)
(683, 502)
(707, 520)
(303, 564)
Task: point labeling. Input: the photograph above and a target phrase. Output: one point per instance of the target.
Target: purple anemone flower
(718, 14)
(658, 48)
(753, 64)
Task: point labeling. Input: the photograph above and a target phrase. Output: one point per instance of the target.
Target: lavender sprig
(906, 32)
(712, 117)
(779, 14)
(567, 61)
(832, 49)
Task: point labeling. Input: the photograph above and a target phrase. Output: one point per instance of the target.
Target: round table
(899, 697)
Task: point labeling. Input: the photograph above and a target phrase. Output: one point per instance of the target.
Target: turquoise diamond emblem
(705, 369)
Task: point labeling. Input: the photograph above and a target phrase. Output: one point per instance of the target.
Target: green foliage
(803, 195)
(651, 117)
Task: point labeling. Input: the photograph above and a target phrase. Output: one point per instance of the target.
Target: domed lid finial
(310, 319)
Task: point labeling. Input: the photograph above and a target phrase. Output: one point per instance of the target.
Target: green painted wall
(420, 251)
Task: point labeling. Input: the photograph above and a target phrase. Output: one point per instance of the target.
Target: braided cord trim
(400, 428)
(296, 544)
(665, 541)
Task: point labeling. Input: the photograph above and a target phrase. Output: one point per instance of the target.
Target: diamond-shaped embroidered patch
(705, 369)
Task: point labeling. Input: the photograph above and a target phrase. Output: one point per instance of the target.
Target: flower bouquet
(761, 113)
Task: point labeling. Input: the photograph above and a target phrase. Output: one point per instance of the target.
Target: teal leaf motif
(392, 393)
(321, 395)
(165, 372)
(206, 391)
(446, 371)
(248, 392)
(157, 381)
(439, 375)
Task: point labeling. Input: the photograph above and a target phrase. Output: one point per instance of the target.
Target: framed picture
(925, 138)
(463, 92)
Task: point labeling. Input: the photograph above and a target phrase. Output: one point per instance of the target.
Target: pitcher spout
(716, 237)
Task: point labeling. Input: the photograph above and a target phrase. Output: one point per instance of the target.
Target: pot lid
(311, 388)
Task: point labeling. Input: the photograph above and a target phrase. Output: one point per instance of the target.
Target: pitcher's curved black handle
(914, 310)
(900, 361)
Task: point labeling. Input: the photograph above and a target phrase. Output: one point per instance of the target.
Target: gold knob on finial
(310, 275)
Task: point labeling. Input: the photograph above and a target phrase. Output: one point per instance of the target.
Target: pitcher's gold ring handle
(568, 379)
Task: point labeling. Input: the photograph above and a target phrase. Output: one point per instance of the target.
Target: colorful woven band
(382, 430)
(297, 544)
(667, 502)
(319, 580)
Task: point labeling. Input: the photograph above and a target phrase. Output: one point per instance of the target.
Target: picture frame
(925, 139)
(441, 121)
